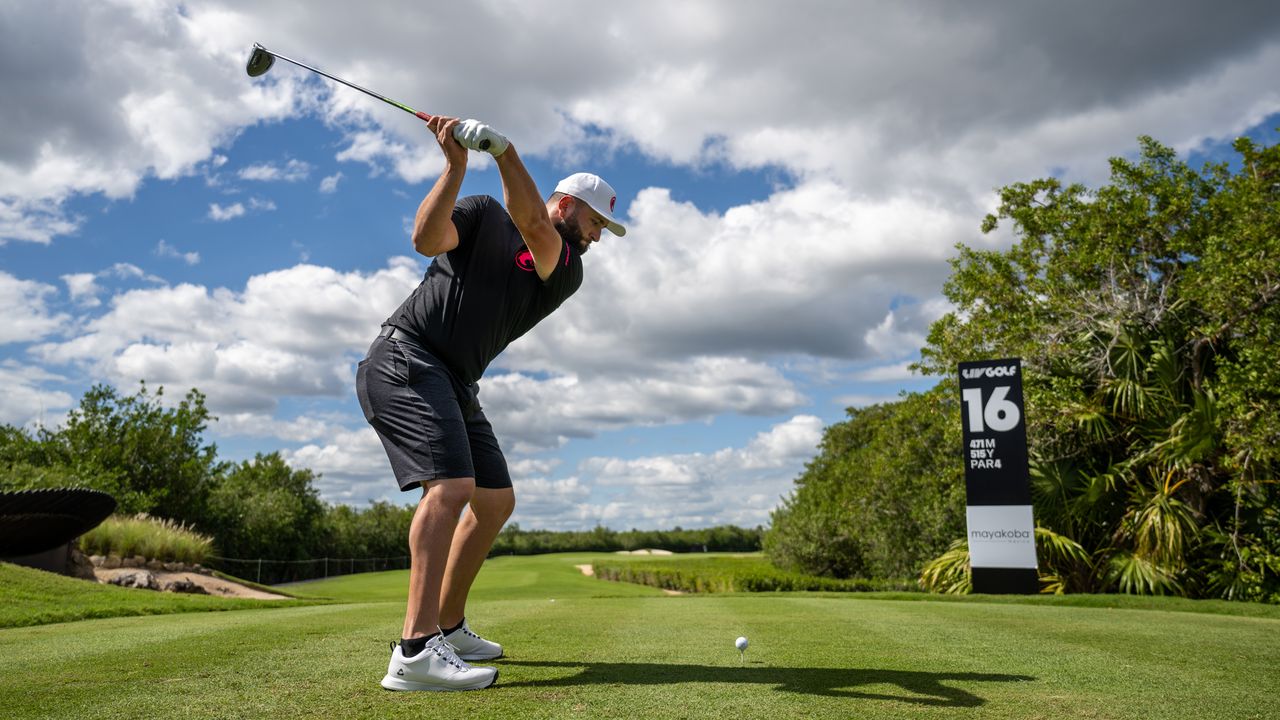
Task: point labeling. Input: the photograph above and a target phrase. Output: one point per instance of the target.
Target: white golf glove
(473, 135)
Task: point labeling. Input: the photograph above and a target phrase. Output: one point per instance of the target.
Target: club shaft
(366, 91)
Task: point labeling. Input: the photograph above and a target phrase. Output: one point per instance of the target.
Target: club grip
(484, 144)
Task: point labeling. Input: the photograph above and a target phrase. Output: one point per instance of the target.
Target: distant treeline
(725, 538)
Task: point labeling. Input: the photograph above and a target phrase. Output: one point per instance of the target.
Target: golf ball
(740, 643)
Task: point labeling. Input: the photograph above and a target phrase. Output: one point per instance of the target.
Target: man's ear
(565, 205)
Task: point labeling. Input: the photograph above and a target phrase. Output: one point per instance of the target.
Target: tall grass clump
(152, 538)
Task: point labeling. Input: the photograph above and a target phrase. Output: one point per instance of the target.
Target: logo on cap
(612, 200)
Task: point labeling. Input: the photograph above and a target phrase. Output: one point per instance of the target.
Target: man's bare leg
(430, 534)
(471, 542)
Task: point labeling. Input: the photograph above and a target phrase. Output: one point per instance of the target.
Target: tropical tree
(262, 508)
(152, 458)
(1146, 315)
(884, 494)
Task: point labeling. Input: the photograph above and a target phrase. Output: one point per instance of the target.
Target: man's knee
(493, 507)
(453, 493)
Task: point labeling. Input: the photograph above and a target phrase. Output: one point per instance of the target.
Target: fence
(272, 572)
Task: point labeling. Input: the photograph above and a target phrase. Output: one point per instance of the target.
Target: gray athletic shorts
(429, 433)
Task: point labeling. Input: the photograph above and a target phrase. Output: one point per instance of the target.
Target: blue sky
(791, 196)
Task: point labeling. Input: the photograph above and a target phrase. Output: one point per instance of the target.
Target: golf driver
(262, 59)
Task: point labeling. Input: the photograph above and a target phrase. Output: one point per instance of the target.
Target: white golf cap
(594, 191)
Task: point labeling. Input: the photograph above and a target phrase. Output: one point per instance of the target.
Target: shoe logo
(400, 672)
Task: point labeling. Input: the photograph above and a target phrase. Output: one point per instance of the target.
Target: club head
(260, 61)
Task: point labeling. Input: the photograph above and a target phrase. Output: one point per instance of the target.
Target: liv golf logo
(1002, 551)
(991, 372)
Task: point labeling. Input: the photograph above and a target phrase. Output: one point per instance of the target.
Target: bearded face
(570, 228)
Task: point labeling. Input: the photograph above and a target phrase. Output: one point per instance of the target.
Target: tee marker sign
(1002, 544)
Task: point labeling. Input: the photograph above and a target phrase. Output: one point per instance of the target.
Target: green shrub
(730, 574)
(152, 538)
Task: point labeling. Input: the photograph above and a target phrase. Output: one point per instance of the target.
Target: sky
(794, 178)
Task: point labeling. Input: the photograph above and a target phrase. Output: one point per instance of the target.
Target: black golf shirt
(479, 297)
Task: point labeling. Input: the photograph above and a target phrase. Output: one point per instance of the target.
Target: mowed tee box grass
(584, 647)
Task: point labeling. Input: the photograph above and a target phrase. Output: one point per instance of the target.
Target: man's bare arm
(433, 228)
(528, 211)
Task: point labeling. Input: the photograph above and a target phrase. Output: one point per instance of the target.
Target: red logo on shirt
(524, 259)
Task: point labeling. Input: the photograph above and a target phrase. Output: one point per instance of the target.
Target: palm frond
(1133, 574)
(1060, 558)
(1162, 527)
(950, 572)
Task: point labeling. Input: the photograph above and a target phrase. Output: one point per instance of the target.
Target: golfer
(496, 273)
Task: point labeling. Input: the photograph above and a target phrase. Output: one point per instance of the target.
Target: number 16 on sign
(999, 414)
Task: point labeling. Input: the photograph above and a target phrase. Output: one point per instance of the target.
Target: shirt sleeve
(565, 279)
(468, 215)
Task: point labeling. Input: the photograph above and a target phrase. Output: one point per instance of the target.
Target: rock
(130, 562)
(183, 585)
(175, 567)
(138, 579)
(110, 562)
(96, 560)
(201, 569)
(79, 566)
(155, 565)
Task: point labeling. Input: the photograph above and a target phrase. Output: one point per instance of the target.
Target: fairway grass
(35, 597)
(580, 647)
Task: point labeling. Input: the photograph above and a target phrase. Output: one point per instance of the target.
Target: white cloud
(542, 414)
(887, 100)
(83, 288)
(734, 485)
(219, 213)
(353, 467)
(895, 372)
(129, 271)
(26, 309)
(805, 272)
(167, 86)
(376, 149)
(288, 332)
(164, 249)
(330, 183)
(24, 402)
(34, 220)
(262, 425)
(528, 467)
(292, 171)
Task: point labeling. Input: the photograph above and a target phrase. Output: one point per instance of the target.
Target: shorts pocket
(362, 389)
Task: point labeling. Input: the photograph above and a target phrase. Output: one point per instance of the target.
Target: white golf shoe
(437, 667)
(471, 646)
